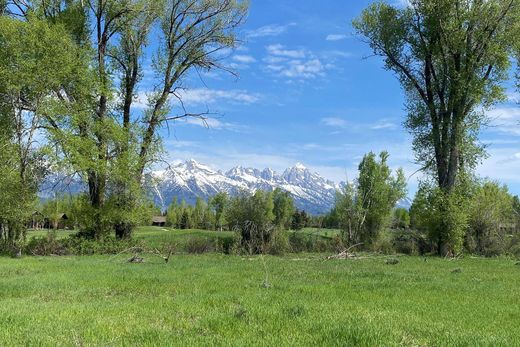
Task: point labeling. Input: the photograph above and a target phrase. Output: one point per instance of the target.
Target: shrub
(443, 214)
(384, 243)
(514, 246)
(46, 245)
(410, 242)
(401, 219)
(75, 245)
(278, 244)
(198, 245)
(11, 248)
(252, 216)
(300, 242)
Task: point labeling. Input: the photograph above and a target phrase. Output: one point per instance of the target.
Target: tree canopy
(451, 58)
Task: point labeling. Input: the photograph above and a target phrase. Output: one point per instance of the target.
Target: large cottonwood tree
(101, 136)
(451, 57)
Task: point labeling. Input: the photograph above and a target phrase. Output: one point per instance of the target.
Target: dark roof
(159, 219)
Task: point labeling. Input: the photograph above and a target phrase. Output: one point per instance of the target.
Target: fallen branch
(345, 254)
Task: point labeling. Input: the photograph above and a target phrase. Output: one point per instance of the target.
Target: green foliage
(218, 203)
(365, 208)
(300, 220)
(197, 245)
(278, 243)
(449, 76)
(253, 218)
(184, 216)
(490, 209)
(410, 242)
(36, 57)
(401, 218)
(283, 208)
(451, 58)
(476, 215)
(173, 214)
(75, 68)
(75, 245)
(444, 216)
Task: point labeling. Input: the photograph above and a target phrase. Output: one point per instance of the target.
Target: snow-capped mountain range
(190, 179)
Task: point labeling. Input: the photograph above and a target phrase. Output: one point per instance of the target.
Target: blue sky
(308, 92)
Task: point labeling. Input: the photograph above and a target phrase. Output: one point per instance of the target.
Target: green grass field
(222, 300)
(156, 236)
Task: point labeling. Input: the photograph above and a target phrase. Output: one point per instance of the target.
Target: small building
(59, 222)
(159, 221)
(37, 221)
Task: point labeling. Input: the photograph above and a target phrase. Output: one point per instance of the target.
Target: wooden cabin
(60, 222)
(37, 221)
(159, 221)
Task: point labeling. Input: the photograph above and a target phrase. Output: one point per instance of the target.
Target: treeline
(454, 61)
(67, 211)
(223, 212)
(483, 217)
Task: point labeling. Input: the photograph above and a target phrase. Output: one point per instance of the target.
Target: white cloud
(383, 124)
(280, 50)
(513, 96)
(213, 123)
(334, 122)
(503, 165)
(505, 120)
(293, 63)
(332, 55)
(336, 37)
(204, 96)
(175, 143)
(299, 69)
(269, 30)
(211, 96)
(402, 3)
(246, 59)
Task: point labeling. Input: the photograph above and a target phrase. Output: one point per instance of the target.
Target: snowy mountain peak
(190, 179)
(300, 166)
(268, 174)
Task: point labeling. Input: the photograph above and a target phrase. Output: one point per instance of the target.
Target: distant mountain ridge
(191, 179)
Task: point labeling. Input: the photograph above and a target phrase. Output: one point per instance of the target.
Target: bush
(198, 245)
(75, 245)
(514, 246)
(278, 244)
(384, 243)
(10, 248)
(401, 218)
(46, 245)
(444, 215)
(300, 242)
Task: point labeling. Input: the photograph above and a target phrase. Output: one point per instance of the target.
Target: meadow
(297, 299)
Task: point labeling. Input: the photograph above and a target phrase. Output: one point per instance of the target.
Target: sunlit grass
(221, 300)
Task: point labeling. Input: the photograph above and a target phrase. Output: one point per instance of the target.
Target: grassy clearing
(319, 232)
(157, 236)
(219, 300)
(60, 234)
